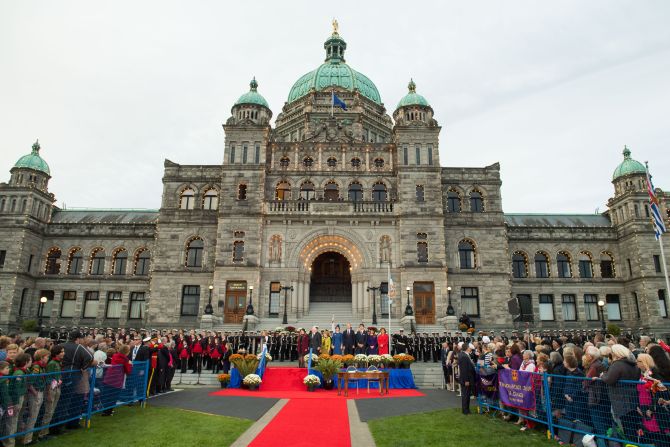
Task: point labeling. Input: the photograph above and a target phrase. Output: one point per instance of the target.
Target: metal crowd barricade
(629, 413)
(31, 404)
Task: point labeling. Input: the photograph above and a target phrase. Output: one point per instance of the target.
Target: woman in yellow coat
(325, 343)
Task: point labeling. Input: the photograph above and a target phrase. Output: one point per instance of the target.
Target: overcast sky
(551, 90)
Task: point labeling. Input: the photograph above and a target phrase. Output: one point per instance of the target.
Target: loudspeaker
(513, 307)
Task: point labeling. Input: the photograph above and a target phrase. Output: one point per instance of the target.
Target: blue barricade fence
(614, 413)
(31, 404)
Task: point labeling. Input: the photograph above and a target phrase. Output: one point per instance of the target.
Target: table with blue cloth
(398, 379)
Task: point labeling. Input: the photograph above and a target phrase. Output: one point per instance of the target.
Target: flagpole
(388, 295)
(659, 228)
(665, 270)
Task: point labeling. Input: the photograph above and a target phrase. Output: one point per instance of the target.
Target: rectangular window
(244, 154)
(91, 300)
(257, 156)
(591, 307)
(430, 154)
(470, 301)
(3, 255)
(232, 154)
(613, 307)
(422, 251)
(419, 193)
(569, 306)
(637, 210)
(546, 307)
(190, 300)
(24, 293)
(113, 305)
(384, 298)
(418, 154)
(637, 305)
(238, 251)
(405, 155)
(630, 268)
(30, 263)
(275, 297)
(48, 306)
(585, 270)
(137, 302)
(67, 306)
(606, 269)
(657, 263)
(662, 305)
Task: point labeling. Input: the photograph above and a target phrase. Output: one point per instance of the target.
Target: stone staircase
(426, 375)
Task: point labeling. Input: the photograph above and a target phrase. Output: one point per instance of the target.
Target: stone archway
(330, 279)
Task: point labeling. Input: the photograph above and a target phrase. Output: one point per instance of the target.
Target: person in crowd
(383, 342)
(466, 369)
(315, 340)
(573, 389)
(597, 398)
(361, 339)
(325, 342)
(196, 353)
(183, 357)
(444, 361)
(303, 347)
(216, 353)
(36, 383)
(4, 392)
(527, 365)
(52, 390)
(115, 378)
(623, 396)
(227, 352)
(372, 343)
(4, 342)
(17, 394)
(349, 340)
(338, 345)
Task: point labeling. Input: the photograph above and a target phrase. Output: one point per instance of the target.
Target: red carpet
(307, 422)
(318, 394)
(283, 379)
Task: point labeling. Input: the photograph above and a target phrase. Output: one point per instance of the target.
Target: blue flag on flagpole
(337, 102)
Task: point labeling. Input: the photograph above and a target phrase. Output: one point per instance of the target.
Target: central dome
(334, 72)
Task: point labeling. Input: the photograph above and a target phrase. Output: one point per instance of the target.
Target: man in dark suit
(348, 340)
(466, 375)
(361, 339)
(315, 340)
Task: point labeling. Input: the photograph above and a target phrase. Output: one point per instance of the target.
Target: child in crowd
(17, 392)
(36, 383)
(4, 390)
(53, 388)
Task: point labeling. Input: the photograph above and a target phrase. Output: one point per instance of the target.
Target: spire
(335, 46)
(411, 86)
(36, 146)
(626, 152)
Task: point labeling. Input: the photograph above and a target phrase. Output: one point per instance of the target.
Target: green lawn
(155, 427)
(453, 429)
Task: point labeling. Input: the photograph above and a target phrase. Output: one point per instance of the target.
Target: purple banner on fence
(516, 389)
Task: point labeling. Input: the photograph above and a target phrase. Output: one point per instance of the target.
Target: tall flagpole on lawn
(659, 229)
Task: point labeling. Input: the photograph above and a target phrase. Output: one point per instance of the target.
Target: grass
(155, 427)
(453, 429)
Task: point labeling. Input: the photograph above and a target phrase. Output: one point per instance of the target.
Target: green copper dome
(252, 96)
(412, 98)
(628, 166)
(33, 161)
(334, 72)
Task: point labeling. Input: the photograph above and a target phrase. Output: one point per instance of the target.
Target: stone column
(294, 298)
(305, 296)
(299, 298)
(368, 298)
(354, 297)
(361, 299)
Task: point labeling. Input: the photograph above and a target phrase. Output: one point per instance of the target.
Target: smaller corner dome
(412, 98)
(33, 161)
(628, 166)
(252, 96)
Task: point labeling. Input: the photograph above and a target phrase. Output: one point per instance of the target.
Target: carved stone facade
(347, 187)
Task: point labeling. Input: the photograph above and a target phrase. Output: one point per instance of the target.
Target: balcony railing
(328, 206)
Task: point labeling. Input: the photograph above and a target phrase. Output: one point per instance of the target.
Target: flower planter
(311, 387)
(224, 384)
(328, 385)
(252, 387)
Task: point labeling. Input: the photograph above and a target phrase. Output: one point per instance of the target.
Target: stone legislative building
(308, 217)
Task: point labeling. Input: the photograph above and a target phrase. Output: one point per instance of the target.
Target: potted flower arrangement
(328, 369)
(252, 381)
(471, 330)
(224, 380)
(347, 360)
(375, 360)
(268, 357)
(403, 360)
(338, 358)
(387, 360)
(311, 381)
(245, 364)
(361, 360)
(315, 359)
(463, 327)
(324, 357)
(290, 329)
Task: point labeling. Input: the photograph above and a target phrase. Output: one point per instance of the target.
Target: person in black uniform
(400, 344)
(466, 375)
(361, 339)
(349, 340)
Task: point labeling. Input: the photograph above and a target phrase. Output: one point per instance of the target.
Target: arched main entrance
(330, 279)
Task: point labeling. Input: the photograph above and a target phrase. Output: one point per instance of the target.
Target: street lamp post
(374, 303)
(250, 306)
(43, 301)
(286, 289)
(408, 309)
(450, 308)
(601, 306)
(209, 310)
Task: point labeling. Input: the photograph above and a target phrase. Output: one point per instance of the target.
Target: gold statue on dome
(336, 26)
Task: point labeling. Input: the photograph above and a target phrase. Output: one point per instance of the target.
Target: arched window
(607, 269)
(466, 254)
(355, 162)
(97, 264)
(238, 251)
(75, 261)
(476, 202)
(307, 190)
(142, 262)
(284, 162)
(194, 250)
(453, 201)
(585, 265)
(379, 163)
(355, 192)
(210, 200)
(242, 192)
(308, 162)
(119, 261)
(332, 162)
(419, 193)
(541, 265)
(379, 192)
(283, 191)
(331, 191)
(519, 264)
(564, 265)
(53, 261)
(187, 199)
